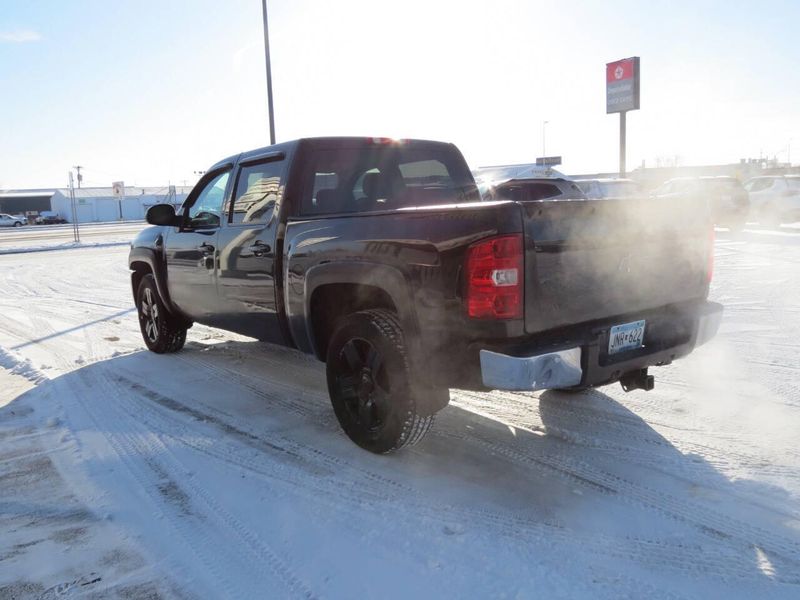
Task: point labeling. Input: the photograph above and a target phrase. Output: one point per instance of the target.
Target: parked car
(11, 221)
(609, 188)
(49, 217)
(524, 182)
(727, 199)
(774, 199)
(379, 258)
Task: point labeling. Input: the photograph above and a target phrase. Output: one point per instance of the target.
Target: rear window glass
(374, 178)
(528, 191)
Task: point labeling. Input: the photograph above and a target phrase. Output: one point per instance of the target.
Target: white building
(93, 205)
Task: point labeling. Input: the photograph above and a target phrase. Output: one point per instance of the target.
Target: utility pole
(80, 177)
(75, 232)
(269, 75)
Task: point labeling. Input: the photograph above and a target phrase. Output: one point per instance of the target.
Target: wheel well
(139, 270)
(331, 302)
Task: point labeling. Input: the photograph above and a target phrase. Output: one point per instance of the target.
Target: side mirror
(162, 214)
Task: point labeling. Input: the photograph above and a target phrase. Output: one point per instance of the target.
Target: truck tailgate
(591, 259)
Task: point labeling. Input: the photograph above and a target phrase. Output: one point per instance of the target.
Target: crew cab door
(191, 250)
(247, 250)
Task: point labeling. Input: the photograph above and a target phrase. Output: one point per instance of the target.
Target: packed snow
(220, 471)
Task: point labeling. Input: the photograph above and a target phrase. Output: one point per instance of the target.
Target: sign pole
(622, 95)
(622, 135)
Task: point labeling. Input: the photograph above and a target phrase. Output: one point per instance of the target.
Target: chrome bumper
(563, 369)
(545, 371)
(708, 325)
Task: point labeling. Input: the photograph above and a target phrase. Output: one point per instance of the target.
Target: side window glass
(207, 209)
(258, 190)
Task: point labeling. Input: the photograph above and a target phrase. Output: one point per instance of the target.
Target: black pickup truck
(379, 257)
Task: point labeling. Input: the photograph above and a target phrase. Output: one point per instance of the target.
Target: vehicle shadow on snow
(588, 464)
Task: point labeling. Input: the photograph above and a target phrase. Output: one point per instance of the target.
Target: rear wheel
(374, 397)
(161, 333)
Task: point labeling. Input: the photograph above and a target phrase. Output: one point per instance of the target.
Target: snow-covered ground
(220, 472)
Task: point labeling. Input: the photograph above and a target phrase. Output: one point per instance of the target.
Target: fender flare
(383, 277)
(153, 260)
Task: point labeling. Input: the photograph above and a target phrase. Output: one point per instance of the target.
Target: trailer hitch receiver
(637, 380)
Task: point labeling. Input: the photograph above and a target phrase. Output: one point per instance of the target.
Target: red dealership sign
(622, 85)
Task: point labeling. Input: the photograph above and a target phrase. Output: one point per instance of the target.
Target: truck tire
(370, 384)
(161, 333)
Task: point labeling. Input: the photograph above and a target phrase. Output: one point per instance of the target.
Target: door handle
(206, 248)
(259, 248)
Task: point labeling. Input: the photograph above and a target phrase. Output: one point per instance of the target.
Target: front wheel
(159, 329)
(371, 389)
(17, 224)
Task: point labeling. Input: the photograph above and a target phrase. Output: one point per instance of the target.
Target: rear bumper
(544, 371)
(669, 334)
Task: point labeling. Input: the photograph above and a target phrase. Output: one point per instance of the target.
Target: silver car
(11, 221)
(774, 199)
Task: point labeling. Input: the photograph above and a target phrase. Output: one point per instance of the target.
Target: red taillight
(711, 239)
(494, 277)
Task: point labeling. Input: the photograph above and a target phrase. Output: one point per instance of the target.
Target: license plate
(626, 337)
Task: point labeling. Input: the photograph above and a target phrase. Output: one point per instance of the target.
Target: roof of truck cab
(321, 141)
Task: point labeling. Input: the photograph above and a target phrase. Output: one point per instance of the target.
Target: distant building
(92, 205)
(651, 177)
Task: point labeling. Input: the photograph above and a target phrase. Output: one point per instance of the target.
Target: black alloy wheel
(160, 331)
(369, 383)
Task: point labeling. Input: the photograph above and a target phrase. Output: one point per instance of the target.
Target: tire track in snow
(145, 444)
(701, 561)
(151, 481)
(708, 521)
(650, 452)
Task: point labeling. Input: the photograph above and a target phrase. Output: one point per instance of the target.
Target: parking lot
(221, 471)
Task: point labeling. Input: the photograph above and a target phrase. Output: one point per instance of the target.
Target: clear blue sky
(149, 91)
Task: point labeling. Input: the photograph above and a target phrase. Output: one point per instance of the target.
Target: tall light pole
(544, 148)
(269, 74)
